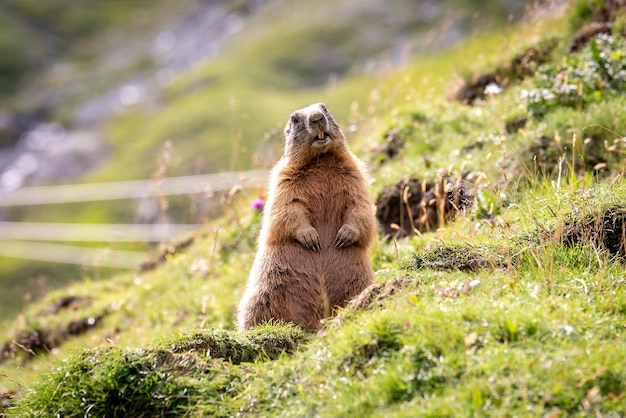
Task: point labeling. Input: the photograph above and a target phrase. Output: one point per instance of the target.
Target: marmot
(318, 225)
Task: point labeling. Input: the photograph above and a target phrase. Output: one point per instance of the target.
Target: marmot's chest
(326, 191)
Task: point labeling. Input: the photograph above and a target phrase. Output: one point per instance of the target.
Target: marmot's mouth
(322, 139)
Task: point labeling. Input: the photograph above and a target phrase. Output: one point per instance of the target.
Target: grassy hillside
(513, 307)
(226, 113)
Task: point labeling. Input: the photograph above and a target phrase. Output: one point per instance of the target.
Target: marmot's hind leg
(282, 305)
(253, 312)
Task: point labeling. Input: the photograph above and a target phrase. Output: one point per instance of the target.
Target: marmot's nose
(315, 117)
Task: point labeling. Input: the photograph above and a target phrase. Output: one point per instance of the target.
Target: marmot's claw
(346, 236)
(314, 245)
(310, 239)
(339, 243)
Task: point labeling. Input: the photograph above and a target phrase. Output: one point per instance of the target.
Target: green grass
(228, 114)
(515, 309)
(510, 343)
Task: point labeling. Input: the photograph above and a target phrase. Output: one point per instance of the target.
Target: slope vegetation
(500, 285)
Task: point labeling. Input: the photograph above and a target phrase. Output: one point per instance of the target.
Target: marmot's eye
(294, 119)
(324, 108)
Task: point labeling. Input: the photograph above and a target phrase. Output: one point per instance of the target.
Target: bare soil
(413, 205)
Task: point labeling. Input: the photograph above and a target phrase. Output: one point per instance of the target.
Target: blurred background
(127, 124)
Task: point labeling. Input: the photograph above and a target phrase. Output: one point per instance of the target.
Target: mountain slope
(208, 81)
(514, 307)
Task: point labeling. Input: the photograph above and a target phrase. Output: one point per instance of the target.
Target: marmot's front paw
(346, 236)
(309, 238)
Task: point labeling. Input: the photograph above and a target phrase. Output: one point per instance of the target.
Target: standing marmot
(318, 225)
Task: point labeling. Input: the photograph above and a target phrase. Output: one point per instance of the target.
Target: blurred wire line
(133, 189)
(17, 238)
(97, 257)
(36, 231)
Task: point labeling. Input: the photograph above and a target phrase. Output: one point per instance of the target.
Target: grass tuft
(601, 231)
(468, 258)
(265, 342)
(165, 380)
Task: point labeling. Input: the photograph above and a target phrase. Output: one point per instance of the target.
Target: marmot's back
(317, 228)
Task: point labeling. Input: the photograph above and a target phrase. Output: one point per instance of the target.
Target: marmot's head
(312, 131)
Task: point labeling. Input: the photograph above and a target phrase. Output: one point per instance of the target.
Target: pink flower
(257, 204)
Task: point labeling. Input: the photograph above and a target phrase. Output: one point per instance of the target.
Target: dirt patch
(405, 128)
(391, 147)
(73, 303)
(466, 258)
(473, 89)
(546, 153)
(361, 355)
(607, 10)
(373, 296)
(6, 401)
(602, 14)
(377, 293)
(31, 343)
(165, 251)
(590, 31)
(515, 124)
(591, 154)
(605, 230)
(522, 65)
(415, 205)
(454, 292)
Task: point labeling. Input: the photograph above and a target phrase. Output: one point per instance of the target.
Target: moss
(265, 342)
(468, 258)
(162, 380)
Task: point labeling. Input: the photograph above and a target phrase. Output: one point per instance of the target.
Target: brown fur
(318, 225)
